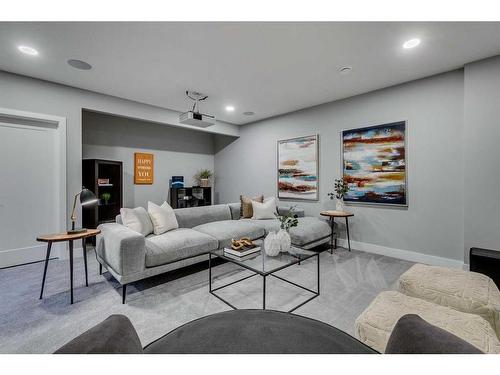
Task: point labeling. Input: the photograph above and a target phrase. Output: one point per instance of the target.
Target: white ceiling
(267, 68)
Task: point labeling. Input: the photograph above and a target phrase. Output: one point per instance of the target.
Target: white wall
(176, 152)
(33, 95)
(482, 155)
(433, 223)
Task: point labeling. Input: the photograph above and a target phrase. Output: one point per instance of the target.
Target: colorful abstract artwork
(298, 168)
(374, 163)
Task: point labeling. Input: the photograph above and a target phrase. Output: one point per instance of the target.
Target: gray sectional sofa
(129, 256)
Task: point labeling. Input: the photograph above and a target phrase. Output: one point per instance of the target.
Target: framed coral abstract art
(298, 168)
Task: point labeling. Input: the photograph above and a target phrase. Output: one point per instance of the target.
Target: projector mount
(196, 97)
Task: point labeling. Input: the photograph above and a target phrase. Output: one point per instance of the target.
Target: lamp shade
(87, 197)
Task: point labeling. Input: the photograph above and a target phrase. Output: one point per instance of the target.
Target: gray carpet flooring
(349, 281)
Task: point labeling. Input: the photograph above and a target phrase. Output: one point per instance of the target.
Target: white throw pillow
(137, 219)
(264, 210)
(163, 217)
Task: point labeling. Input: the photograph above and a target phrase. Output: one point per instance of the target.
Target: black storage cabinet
(92, 170)
(190, 197)
(486, 262)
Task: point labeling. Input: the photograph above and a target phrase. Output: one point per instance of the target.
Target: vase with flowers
(287, 221)
(340, 188)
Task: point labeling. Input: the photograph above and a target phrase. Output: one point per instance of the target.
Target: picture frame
(387, 184)
(298, 168)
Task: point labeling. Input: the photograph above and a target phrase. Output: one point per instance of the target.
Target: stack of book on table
(245, 252)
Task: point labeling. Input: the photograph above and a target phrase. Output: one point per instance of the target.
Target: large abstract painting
(298, 168)
(374, 163)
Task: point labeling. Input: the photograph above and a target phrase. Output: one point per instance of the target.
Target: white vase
(339, 205)
(284, 240)
(272, 244)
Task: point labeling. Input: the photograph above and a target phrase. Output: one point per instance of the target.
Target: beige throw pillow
(137, 219)
(163, 217)
(246, 210)
(264, 210)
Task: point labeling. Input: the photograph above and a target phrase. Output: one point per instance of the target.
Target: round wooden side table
(61, 237)
(332, 215)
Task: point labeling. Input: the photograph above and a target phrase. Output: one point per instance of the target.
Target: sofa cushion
(246, 209)
(374, 326)
(309, 229)
(193, 216)
(177, 244)
(465, 291)
(225, 230)
(413, 335)
(269, 225)
(162, 217)
(265, 210)
(235, 209)
(137, 219)
(115, 335)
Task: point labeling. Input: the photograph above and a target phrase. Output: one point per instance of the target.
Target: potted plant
(287, 221)
(340, 189)
(203, 177)
(106, 197)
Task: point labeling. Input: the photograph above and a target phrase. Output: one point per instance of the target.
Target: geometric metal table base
(264, 277)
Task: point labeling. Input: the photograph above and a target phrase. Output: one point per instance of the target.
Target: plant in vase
(340, 189)
(106, 197)
(203, 177)
(287, 221)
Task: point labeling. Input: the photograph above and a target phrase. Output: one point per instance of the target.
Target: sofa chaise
(130, 256)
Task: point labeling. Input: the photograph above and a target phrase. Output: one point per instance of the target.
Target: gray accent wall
(433, 108)
(176, 152)
(482, 155)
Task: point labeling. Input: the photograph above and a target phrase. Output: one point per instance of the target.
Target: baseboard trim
(33, 254)
(411, 256)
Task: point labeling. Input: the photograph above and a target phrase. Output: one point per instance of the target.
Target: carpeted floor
(349, 281)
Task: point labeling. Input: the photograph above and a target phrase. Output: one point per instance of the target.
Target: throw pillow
(413, 335)
(137, 219)
(264, 210)
(163, 217)
(246, 210)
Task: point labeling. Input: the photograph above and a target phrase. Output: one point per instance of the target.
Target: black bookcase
(103, 212)
(190, 197)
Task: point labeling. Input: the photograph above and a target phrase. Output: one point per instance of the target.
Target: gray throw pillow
(115, 335)
(413, 335)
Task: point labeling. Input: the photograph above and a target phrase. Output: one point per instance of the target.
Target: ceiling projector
(194, 117)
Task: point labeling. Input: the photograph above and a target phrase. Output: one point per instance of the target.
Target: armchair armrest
(121, 248)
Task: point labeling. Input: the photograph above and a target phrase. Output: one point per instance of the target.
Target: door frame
(31, 119)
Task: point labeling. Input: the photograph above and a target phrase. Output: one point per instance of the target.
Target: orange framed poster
(143, 168)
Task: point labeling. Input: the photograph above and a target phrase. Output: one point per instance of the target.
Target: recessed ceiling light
(28, 50)
(79, 64)
(412, 43)
(229, 108)
(345, 70)
(249, 113)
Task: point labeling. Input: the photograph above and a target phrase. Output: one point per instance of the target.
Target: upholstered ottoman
(465, 291)
(374, 326)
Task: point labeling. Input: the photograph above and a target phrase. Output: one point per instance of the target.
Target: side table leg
(71, 268)
(332, 225)
(209, 272)
(84, 245)
(347, 229)
(49, 247)
(263, 293)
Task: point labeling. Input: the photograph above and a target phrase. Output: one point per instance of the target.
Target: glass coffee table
(260, 264)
